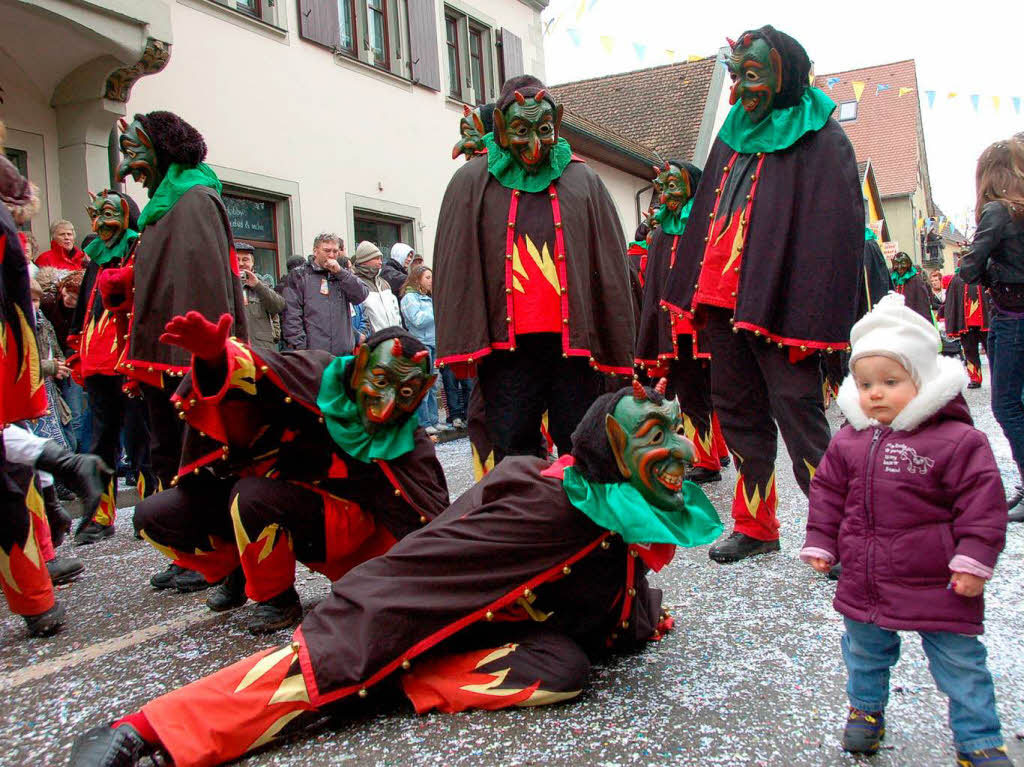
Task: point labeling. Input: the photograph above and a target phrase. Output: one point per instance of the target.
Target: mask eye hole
(406, 391)
(751, 75)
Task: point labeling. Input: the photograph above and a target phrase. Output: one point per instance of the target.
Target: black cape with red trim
(917, 295)
(21, 388)
(514, 531)
(266, 435)
(955, 312)
(469, 258)
(799, 275)
(183, 262)
(876, 280)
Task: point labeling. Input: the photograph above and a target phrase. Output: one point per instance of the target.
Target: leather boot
(46, 624)
(229, 593)
(739, 546)
(85, 474)
(56, 515)
(277, 613)
(108, 746)
(63, 569)
(702, 476)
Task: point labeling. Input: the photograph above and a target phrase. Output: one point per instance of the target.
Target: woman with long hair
(418, 313)
(996, 260)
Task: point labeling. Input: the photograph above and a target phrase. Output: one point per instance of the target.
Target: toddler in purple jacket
(909, 499)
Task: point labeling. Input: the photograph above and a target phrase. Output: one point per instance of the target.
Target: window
(249, 7)
(451, 31)
(377, 32)
(254, 221)
(382, 230)
(470, 45)
(847, 111)
(347, 23)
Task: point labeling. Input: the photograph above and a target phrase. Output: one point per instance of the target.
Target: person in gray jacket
(263, 306)
(319, 296)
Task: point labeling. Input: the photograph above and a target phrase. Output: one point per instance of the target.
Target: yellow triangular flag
(995, 102)
(694, 58)
(671, 54)
(608, 43)
(858, 88)
(581, 10)
(951, 95)
(905, 91)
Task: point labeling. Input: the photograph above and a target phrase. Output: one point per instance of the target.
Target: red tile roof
(660, 108)
(887, 124)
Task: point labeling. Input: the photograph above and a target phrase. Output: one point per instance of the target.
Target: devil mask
(109, 215)
(526, 122)
(472, 127)
(769, 70)
(139, 157)
(676, 182)
(389, 380)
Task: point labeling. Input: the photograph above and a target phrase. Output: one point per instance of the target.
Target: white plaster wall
(285, 108)
(623, 188)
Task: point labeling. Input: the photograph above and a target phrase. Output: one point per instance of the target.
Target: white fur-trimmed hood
(950, 382)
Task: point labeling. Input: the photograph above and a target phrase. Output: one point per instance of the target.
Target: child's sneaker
(989, 757)
(864, 731)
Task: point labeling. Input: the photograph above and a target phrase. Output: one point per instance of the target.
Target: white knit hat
(892, 330)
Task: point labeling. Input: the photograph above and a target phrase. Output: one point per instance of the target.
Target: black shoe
(702, 476)
(85, 474)
(725, 461)
(835, 571)
(188, 581)
(63, 569)
(107, 746)
(165, 578)
(739, 546)
(56, 515)
(90, 531)
(1016, 496)
(864, 731)
(1016, 514)
(46, 624)
(974, 385)
(282, 611)
(229, 594)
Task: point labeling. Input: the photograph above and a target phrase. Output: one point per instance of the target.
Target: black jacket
(997, 253)
(395, 275)
(318, 308)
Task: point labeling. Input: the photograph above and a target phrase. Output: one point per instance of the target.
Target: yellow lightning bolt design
(541, 258)
(811, 470)
(30, 363)
(167, 551)
(267, 534)
(737, 243)
(753, 502)
(243, 375)
(263, 665)
(6, 574)
(481, 466)
(690, 432)
(973, 307)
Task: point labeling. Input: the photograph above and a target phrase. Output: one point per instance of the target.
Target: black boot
(63, 569)
(229, 593)
(56, 515)
(165, 578)
(85, 474)
(46, 624)
(280, 612)
(702, 476)
(90, 531)
(107, 746)
(739, 546)
(188, 581)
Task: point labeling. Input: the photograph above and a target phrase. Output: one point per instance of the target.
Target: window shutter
(423, 56)
(318, 22)
(511, 56)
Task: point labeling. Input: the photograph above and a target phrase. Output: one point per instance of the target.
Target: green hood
(780, 129)
(509, 173)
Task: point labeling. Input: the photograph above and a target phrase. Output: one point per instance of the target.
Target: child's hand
(819, 564)
(967, 585)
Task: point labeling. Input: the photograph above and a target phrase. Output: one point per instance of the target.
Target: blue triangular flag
(641, 50)
(975, 98)
(931, 98)
(574, 34)
(831, 82)
(1016, 104)
(880, 87)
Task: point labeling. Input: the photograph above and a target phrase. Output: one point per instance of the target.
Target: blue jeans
(456, 391)
(957, 663)
(79, 430)
(1006, 360)
(427, 410)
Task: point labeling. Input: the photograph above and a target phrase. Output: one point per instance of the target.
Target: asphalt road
(752, 675)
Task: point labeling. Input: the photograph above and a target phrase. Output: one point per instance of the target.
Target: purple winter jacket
(902, 505)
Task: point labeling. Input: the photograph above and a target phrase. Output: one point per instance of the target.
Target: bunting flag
(858, 89)
(931, 98)
(574, 35)
(975, 99)
(641, 51)
(995, 103)
(591, 4)
(608, 43)
(691, 58)
(1016, 104)
(670, 54)
(952, 95)
(880, 87)
(831, 82)
(905, 91)
(581, 10)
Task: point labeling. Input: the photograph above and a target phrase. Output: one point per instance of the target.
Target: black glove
(84, 474)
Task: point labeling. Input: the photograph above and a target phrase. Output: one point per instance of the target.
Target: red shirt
(536, 293)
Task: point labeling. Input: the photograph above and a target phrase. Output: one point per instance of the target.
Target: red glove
(115, 287)
(194, 333)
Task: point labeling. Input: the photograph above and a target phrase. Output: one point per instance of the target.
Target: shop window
(382, 230)
(254, 220)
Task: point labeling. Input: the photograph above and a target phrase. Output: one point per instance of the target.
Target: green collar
(98, 251)
(503, 166)
(674, 223)
(900, 280)
(341, 416)
(179, 179)
(869, 234)
(780, 129)
(619, 507)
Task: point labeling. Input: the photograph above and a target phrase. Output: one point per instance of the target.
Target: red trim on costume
(838, 346)
(201, 462)
(425, 644)
(510, 237)
(390, 474)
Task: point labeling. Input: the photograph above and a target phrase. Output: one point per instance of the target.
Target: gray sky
(962, 48)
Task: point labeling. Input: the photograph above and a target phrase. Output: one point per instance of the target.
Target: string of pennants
(939, 223)
(975, 99)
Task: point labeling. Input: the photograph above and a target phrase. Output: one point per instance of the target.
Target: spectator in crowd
(59, 308)
(263, 306)
(359, 333)
(31, 249)
(319, 296)
(291, 265)
(381, 306)
(938, 291)
(456, 394)
(396, 270)
(63, 253)
(418, 313)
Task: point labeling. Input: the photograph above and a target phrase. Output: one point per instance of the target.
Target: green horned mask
(649, 450)
(673, 185)
(108, 214)
(388, 384)
(528, 128)
(756, 71)
(471, 131)
(139, 157)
